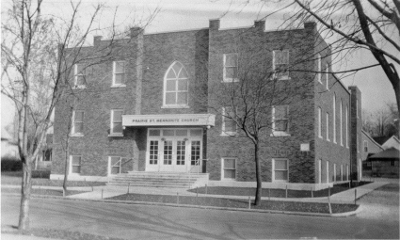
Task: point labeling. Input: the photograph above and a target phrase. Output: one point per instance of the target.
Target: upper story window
(231, 67)
(319, 68)
(327, 76)
(79, 76)
(118, 74)
(341, 122)
(228, 124)
(347, 126)
(334, 117)
(319, 122)
(327, 127)
(116, 122)
(77, 123)
(176, 86)
(280, 64)
(280, 120)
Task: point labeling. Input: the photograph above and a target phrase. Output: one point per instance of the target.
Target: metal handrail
(198, 170)
(119, 161)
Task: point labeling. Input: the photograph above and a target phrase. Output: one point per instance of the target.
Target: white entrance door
(174, 150)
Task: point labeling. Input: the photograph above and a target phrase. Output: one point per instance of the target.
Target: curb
(345, 214)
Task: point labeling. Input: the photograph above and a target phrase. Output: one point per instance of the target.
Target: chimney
(310, 25)
(260, 25)
(214, 24)
(96, 40)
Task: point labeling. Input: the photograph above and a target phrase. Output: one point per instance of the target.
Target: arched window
(176, 86)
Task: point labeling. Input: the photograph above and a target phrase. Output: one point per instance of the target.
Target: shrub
(10, 164)
(43, 173)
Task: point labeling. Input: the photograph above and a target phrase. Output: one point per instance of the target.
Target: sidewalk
(103, 192)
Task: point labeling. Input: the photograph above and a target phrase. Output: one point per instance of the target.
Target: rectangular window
(365, 146)
(75, 164)
(327, 76)
(231, 67)
(229, 168)
(327, 126)
(319, 171)
(280, 120)
(341, 123)
(341, 172)
(228, 124)
(327, 172)
(116, 122)
(77, 122)
(280, 64)
(347, 126)
(334, 172)
(114, 165)
(280, 170)
(347, 172)
(118, 73)
(79, 76)
(319, 68)
(334, 118)
(319, 122)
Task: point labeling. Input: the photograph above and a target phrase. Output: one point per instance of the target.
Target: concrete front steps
(160, 179)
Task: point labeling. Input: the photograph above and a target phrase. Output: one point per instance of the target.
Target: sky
(175, 15)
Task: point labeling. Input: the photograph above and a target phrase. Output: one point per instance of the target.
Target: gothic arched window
(176, 86)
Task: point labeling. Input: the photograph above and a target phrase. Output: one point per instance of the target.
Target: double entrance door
(174, 150)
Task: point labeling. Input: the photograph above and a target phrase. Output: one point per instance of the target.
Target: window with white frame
(341, 122)
(327, 172)
(319, 122)
(228, 123)
(327, 127)
(347, 126)
(347, 172)
(77, 122)
(79, 76)
(320, 171)
(365, 146)
(334, 118)
(327, 76)
(341, 173)
(280, 120)
(231, 67)
(319, 68)
(176, 86)
(280, 170)
(75, 164)
(114, 165)
(280, 64)
(116, 122)
(118, 74)
(228, 169)
(334, 172)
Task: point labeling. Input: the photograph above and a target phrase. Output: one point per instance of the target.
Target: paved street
(132, 221)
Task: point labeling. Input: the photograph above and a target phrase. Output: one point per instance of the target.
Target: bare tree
(36, 74)
(372, 25)
(382, 123)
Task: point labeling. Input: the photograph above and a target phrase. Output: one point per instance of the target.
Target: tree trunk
(69, 127)
(258, 175)
(25, 195)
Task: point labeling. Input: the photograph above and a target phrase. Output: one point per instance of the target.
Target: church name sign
(169, 120)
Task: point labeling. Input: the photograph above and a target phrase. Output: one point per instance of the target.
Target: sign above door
(169, 120)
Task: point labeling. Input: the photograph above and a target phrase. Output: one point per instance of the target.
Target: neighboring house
(385, 163)
(9, 147)
(151, 108)
(393, 141)
(369, 147)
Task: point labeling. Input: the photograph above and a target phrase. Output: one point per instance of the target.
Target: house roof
(381, 139)
(371, 139)
(389, 154)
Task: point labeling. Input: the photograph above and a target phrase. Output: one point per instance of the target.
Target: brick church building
(173, 103)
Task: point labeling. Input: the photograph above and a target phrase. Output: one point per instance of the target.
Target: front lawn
(272, 192)
(48, 192)
(240, 203)
(14, 178)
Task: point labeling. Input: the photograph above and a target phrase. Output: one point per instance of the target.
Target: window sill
(280, 134)
(228, 180)
(328, 140)
(76, 135)
(175, 106)
(79, 87)
(230, 80)
(115, 135)
(228, 134)
(118, 86)
(320, 137)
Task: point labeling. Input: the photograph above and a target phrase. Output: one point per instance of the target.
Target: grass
(14, 178)
(47, 192)
(240, 203)
(58, 234)
(278, 193)
(386, 195)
